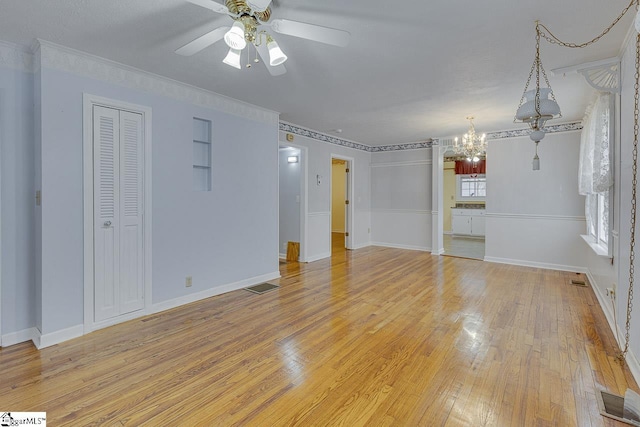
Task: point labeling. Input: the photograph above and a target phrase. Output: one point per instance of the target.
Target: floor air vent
(615, 407)
(578, 282)
(262, 288)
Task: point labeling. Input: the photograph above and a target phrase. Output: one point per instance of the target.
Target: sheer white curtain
(594, 169)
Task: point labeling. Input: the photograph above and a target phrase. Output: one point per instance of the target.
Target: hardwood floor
(370, 337)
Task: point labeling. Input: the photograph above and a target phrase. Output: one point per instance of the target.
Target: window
(471, 187)
(201, 155)
(595, 179)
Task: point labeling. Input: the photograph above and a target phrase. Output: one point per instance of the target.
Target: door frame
(89, 101)
(304, 203)
(349, 221)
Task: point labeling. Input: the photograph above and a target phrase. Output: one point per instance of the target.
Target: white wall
(622, 209)
(17, 193)
(224, 237)
(535, 217)
(401, 199)
(319, 196)
(290, 199)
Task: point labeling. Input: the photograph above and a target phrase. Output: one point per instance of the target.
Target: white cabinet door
(461, 224)
(477, 225)
(118, 243)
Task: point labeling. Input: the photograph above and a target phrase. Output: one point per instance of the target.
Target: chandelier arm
(553, 39)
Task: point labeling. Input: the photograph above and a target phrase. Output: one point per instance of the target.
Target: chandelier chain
(634, 186)
(553, 39)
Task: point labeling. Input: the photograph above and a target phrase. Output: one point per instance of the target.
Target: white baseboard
(544, 265)
(361, 246)
(20, 336)
(408, 247)
(47, 340)
(438, 252)
(448, 232)
(187, 299)
(282, 256)
(318, 257)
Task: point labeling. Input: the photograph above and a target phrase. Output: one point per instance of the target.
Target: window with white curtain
(595, 179)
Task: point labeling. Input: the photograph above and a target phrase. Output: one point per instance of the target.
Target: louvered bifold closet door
(131, 256)
(106, 166)
(118, 211)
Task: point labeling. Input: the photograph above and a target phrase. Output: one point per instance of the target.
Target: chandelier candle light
(473, 146)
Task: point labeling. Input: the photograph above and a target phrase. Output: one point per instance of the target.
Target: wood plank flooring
(380, 337)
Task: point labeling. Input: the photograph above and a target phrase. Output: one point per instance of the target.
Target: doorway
(117, 228)
(292, 202)
(341, 204)
(463, 203)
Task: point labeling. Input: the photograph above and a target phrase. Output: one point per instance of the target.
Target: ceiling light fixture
(233, 58)
(473, 146)
(537, 105)
(235, 38)
(276, 55)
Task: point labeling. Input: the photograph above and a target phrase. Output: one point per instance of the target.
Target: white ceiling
(413, 69)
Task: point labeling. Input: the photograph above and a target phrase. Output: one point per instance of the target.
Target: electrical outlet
(611, 293)
(188, 281)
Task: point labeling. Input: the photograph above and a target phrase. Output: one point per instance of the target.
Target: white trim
(282, 256)
(547, 266)
(318, 257)
(20, 336)
(84, 64)
(313, 214)
(407, 163)
(407, 247)
(187, 299)
(528, 216)
(407, 211)
(362, 246)
(88, 102)
(47, 340)
(598, 249)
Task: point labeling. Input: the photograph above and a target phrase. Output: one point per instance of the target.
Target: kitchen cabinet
(468, 222)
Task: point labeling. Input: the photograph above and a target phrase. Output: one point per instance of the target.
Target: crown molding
(69, 60)
(15, 57)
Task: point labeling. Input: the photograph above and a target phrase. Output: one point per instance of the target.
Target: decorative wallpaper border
(80, 63)
(297, 130)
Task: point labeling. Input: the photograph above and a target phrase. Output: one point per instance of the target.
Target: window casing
(471, 187)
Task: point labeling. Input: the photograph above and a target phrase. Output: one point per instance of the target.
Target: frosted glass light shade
(258, 5)
(234, 38)
(233, 58)
(276, 55)
(537, 135)
(548, 108)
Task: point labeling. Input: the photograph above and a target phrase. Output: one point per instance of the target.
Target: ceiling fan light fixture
(234, 38)
(233, 58)
(258, 5)
(276, 55)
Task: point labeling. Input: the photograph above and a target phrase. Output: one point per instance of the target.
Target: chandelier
(472, 146)
(537, 105)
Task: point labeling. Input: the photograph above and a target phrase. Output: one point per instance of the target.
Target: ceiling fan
(251, 22)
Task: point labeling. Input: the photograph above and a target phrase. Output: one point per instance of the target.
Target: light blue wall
(219, 237)
(17, 203)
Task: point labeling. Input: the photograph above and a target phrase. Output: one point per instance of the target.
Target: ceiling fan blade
(211, 5)
(311, 32)
(258, 5)
(202, 42)
(278, 70)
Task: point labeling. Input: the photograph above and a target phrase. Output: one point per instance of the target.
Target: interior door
(118, 243)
